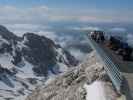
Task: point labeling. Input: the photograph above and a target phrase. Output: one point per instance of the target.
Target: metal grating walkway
(111, 68)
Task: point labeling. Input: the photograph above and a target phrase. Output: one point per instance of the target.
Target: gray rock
(70, 85)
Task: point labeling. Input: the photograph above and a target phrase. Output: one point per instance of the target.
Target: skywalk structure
(119, 71)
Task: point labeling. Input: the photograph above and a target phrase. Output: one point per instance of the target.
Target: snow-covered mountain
(28, 61)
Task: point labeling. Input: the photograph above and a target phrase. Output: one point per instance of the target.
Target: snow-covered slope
(28, 61)
(88, 81)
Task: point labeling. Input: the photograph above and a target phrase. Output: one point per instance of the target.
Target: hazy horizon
(65, 22)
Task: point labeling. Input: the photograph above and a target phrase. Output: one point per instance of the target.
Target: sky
(26, 15)
(28, 11)
(103, 4)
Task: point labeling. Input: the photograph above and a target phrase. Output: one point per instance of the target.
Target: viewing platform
(119, 71)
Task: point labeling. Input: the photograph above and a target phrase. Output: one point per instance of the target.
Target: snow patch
(5, 61)
(78, 54)
(61, 53)
(95, 91)
(2, 40)
(26, 71)
(63, 67)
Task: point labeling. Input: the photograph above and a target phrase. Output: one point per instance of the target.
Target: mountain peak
(29, 61)
(5, 33)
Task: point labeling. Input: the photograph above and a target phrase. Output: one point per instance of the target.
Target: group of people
(120, 47)
(98, 36)
(114, 43)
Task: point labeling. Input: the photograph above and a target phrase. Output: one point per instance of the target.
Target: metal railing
(111, 68)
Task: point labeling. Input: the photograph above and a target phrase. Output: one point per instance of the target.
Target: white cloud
(62, 18)
(20, 29)
(48, 34)
(87, 28)
(130, 39)
(43, 14)
(10, 14)
(118, 29)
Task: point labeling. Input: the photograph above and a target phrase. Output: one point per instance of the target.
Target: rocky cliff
(26, 62)
(71, 84)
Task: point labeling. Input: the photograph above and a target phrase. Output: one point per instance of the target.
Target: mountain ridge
(28, 61)
(72, 84)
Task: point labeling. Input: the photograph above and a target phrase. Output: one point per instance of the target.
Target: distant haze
(67, 21)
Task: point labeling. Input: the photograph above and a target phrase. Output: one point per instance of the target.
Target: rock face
(43, 53)
(40, 51)
(70, 85)
(28, 61)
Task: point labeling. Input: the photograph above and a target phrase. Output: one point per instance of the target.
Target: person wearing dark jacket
(127, 53)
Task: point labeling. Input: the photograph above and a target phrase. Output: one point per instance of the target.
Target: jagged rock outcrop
(26, 62)
(6, 34)
(43, 53)
(70, 85)
(40, 51)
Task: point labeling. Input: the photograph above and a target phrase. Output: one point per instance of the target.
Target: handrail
(111, 68)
